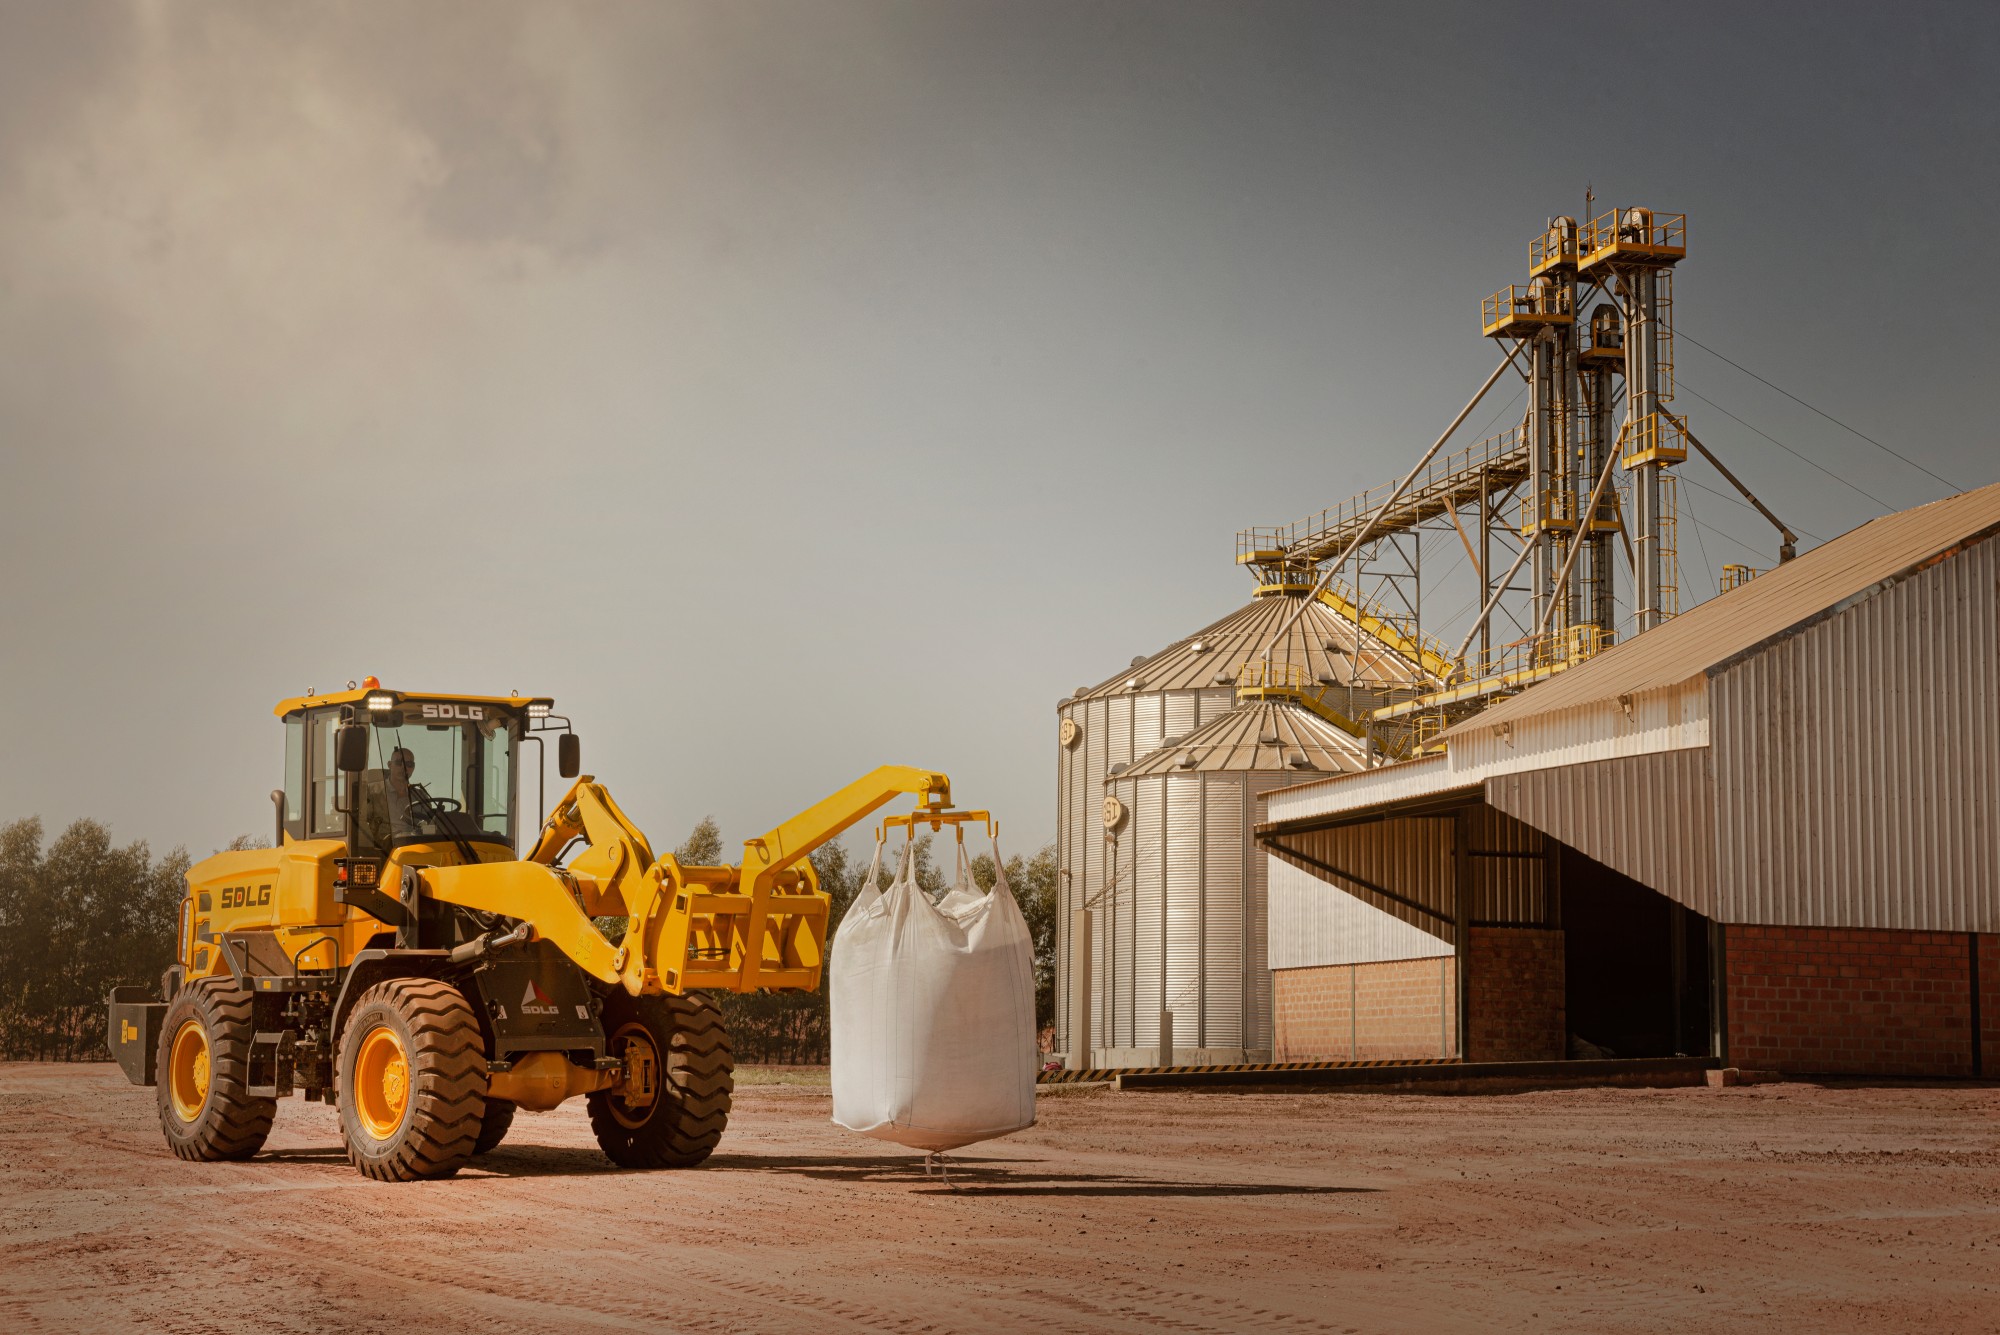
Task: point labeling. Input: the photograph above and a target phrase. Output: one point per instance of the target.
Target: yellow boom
(759, 924)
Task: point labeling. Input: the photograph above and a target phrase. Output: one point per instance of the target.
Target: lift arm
(761, 924)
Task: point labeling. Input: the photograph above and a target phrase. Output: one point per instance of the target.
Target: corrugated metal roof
(1332, 650)
(1780, 601)
(1263, 735)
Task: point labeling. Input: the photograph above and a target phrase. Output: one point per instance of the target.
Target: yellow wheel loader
(395, 955)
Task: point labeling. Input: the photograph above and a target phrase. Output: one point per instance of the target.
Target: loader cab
(438, 770)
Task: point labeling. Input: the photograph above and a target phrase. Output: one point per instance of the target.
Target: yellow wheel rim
(632, 1104)
(187, 1070)
(382, 1082)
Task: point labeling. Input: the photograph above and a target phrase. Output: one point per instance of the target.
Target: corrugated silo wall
(1110, 730)
(1187, 890)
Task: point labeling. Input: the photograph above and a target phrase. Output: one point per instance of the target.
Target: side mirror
(569, 755)
(350, 748)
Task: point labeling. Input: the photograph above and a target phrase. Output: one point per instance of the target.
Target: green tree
(77, 920)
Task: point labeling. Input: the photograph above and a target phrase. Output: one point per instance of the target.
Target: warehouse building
(1767, 830)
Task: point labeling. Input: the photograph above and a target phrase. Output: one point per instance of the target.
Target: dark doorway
(1636, 964)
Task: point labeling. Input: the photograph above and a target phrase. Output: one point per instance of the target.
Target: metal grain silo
(1193, 821)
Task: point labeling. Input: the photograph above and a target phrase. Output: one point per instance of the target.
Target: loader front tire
(412, 1081)
(203, 1069)
(674, 1118)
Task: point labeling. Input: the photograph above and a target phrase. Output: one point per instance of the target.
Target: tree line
(80, 916)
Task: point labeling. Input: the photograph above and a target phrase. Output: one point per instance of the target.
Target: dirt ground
(1783, 1207)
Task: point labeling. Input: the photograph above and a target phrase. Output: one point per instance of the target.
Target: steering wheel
(420, 797)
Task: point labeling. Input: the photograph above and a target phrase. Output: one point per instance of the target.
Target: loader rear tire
(677, 1123)
(493, 1127)
(203, 1069)
(412, 1081)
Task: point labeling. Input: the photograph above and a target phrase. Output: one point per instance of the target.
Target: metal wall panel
(1313, 923)
(1183, 710)
(1345, 792)
(1147, 719)
(1223, 911)
(1651, 817)
(1183, 905)
(1857, 762)
(1510, 875)
(1672, 718)
(1214, 704)
(1118, 748)
(1149, 921)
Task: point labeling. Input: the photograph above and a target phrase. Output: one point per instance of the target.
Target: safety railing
(1514, 305)
(1259, 680)
(1735, 576)
(1553, 250)
(1494, 464)
(1398, 630)
(1505, 669)
(1636, 234)
(1564, 647)
(1652, 439)
(1554, 508)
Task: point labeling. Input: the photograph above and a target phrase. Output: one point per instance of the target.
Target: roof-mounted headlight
(538, 709)
(381, 700)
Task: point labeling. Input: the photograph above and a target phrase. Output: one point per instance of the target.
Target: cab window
(322, 779)
(295, 776)
(437, 772)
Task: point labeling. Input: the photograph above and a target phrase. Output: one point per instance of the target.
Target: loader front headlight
(538, 709)
(379, 700)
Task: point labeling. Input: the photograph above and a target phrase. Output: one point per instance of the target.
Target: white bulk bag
(933, 1013)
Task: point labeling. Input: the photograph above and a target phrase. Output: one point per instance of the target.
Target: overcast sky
(791, 388)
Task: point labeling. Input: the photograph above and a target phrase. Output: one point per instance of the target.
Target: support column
(1603, 604)
(1576, 484)
(1485, 566)
(1542, 476)
(1462, 879)
(1642, 389)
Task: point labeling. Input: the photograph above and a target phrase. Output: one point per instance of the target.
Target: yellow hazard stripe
(1098, 1074)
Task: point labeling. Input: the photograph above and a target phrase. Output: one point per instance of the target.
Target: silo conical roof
(1332, 650)
(1268, 735)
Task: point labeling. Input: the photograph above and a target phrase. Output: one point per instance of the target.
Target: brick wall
(1515, 990)
(1989, 1004)
(1368, 1012)
(1854, 1001)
